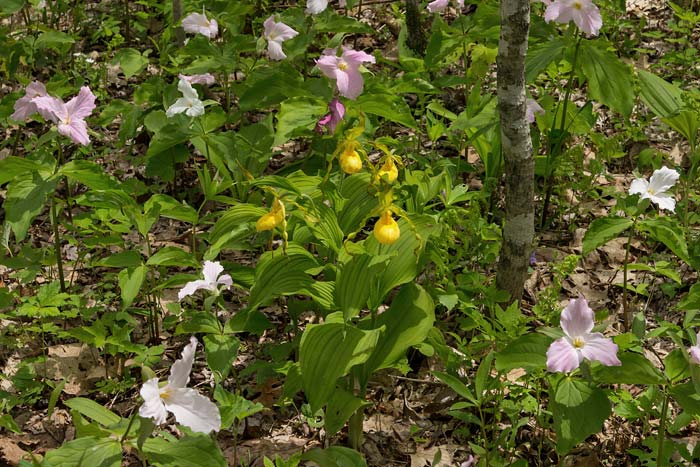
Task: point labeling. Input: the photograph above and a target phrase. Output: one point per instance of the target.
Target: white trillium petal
(152, 406)
(196, 109)
(639, 186)
(193, 410)
(274, 50)
(665, 201)
(600, 348)
(191, 287)
(211, 271)
(663, 179)
(226, 281)
(562, 356)
(180, 371)
(186, 89)
(577, 318)
(314, 7)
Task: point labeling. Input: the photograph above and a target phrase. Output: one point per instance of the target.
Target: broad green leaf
(190, 451)
(12, 166)
(172, 208)
(130, 282)
(359, 202)
(676, 365)
(390, 106)
(692, 300)
(335, 456)
(221, 352)
(123, 259)
(25, 199)
(579, 411)
(482, 376)
(667, 231)
(539, 57)
(172, 256)
(527, 352)
(327, 352)
(609, 80)
(341, 406)
(662, 97)
(686, 123)
(9, 423)
(87, 452)
(355, 275)
(407, 323)
(199, 322)
(93, 411)
(282, 274)
(330, 21)
(298, 116)
(234, 407)
(52, 39)
(8, 7)
(266, 87)
(687, 397)
(635, 369)
(131, 61)
(236, 223)
(89, 174)
(602, 230)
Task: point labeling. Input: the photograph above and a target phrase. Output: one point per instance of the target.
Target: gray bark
(177, 16)
(519, 228)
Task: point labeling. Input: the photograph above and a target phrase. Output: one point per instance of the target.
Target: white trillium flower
(694, 350)
(188, 103)
(655, 189)
(276, 33)
(198, 23)
(190, 408)
(212, 279)
(314, 7)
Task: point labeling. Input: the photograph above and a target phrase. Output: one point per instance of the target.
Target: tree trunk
(519, 228)
(415, 33)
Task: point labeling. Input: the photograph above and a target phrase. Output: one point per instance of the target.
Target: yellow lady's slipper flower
(273, 218)
(350, 161)
(386, 230)
(388, 172)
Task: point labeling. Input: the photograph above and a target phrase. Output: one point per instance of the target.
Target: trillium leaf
(603, 230)
(667, 231)
(635, 369)
(130, 282)
(190, 451)
(528, 352)
(335, 456)
(94, 411)
(609, 79)
(662, 97)
(87, 451)
(579, 411)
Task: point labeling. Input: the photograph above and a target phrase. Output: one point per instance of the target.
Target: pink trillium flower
(694, 350)
(190, 408)
(532, 108)
(331, 120)
(438, 6)
(345, 70)
(205, 78)
(567, 353)
(188, 103)
(655, 189)
(69, 116)
(276, 33)
(198, 23)
(583, 13)
(212, 280)
(25, 106)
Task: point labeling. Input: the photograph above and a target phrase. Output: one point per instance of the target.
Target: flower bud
(386, 230)
(350, 161)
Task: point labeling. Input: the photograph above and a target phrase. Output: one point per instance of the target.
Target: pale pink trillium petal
(438, 6)
(314, 7)
(583, 13)
(345, 70)
(532, 108)
(198, 23)
(276, 33)
(188, 103)
(694, 350)
(655, 189)
(25, 106)
(204, 78)
(566, 353)
(70, 116)
(331, 120)
(212, 280)
(469, 462)
(190, 408)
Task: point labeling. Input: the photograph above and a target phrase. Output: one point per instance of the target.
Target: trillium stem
(555, 151)
(57, 245)
(626, 313)
(662, 431)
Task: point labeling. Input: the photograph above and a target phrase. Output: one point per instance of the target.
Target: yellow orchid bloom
(386, 230)
(273, 218)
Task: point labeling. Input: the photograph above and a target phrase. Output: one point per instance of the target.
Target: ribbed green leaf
(172, 256)
(341, 406)
(87, 452)
(327, 352)
(609, 79)
(667, 231)
(355, 276)
(93, 411)
(662, 97)
(335, 456)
